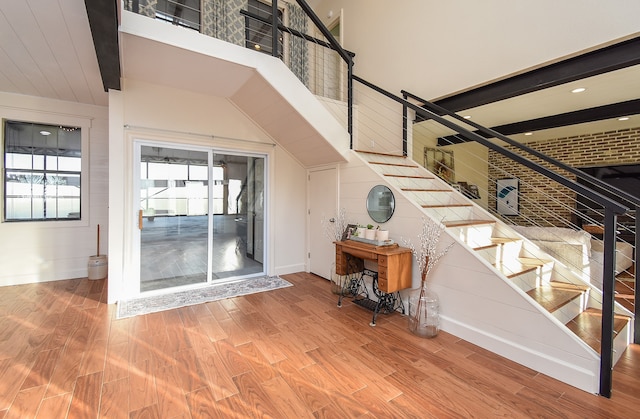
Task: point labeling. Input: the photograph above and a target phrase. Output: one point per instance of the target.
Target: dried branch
(426, 253)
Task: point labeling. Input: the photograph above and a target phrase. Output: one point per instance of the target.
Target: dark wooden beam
(599, 113)
(103, 20)
(614, 57)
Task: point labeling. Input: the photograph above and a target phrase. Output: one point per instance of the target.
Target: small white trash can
(97, 267)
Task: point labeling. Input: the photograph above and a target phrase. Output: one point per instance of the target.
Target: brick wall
(545, 202)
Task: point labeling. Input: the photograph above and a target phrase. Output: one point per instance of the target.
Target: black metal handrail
(492, 133)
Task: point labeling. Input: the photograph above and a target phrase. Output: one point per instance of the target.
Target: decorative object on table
(382, 235)
(370, 233)
(360, 231)
(507, 196)
(424, 306)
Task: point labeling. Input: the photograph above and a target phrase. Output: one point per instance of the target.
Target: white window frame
(30, 116)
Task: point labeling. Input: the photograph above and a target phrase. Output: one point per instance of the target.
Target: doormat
(146, 305)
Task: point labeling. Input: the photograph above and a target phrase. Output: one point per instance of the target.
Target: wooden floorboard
(289, 353)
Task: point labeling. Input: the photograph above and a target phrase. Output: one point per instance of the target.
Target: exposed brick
(539, 194)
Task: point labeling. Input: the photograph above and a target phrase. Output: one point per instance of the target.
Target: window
(43, 166)
(258, 33)
(184, 13)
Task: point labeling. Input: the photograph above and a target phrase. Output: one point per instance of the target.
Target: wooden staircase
(565, 296)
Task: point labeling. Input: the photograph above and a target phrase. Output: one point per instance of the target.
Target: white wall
(47, 251)
(434, 48)
(159, 113)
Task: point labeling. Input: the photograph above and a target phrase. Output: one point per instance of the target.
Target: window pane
(52, 162)
(198, 172)
(69, 164)
(19, 161)
(42, 161)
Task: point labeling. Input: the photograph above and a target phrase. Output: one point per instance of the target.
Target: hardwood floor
(289, 353)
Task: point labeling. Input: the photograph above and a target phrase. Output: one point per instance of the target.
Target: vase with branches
(424, 306)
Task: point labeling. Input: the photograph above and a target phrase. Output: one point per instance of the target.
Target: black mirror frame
(380, 213)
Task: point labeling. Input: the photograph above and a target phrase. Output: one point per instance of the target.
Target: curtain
(222, 19)
(299, 60)
(148, 8)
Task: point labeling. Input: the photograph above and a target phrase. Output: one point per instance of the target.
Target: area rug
(145, 305)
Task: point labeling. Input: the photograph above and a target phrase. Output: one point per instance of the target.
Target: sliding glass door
(199, 216)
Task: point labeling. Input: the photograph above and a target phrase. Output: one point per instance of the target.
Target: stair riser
(491, 254)
(528, 280)
(570, 310)
(499, 252)
(473, 236)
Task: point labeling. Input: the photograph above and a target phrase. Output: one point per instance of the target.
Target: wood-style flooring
(289, 353)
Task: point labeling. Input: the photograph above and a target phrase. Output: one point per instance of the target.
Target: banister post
(274, 28)
(350, 101)
(636, 309)
(608, 298)
(405, 125)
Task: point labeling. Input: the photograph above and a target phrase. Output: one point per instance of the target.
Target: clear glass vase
(338, 282)
(424, 312)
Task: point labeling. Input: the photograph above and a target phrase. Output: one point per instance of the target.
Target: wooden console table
(394, 273)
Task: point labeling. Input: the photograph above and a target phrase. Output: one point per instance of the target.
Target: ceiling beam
(103, 20)
(599, 113)
(613, 57)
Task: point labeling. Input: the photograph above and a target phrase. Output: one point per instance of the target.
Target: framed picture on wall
(507, 196)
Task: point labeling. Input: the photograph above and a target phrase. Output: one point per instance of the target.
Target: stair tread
(425, 190)
(555, 295)
(377, 153)
(513, 268)
(408, 176)
(464, 223)
(454, 205)
(382, 163)
(588, 326)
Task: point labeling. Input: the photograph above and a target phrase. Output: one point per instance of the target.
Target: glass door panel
(235, 230)
(174, 209)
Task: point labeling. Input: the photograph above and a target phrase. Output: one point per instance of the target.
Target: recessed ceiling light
(257, 46)
(467, 117)
(624, 118)
(528, 133)
(45, 133)
(578, 90)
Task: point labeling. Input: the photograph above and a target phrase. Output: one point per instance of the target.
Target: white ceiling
(46, 49)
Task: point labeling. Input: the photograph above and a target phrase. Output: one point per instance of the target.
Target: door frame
(131, 287)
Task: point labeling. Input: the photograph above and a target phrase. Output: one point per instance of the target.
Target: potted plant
(370, 233)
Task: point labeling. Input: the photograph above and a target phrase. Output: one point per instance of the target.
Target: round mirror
(380, 203)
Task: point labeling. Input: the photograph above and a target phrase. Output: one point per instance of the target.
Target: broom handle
(98, 243)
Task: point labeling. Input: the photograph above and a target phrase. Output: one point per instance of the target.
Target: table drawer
(383, 284)
(383, 260)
